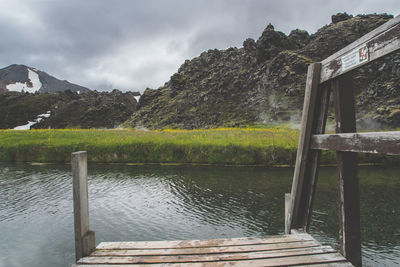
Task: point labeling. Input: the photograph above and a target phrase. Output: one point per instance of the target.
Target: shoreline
(175, 164)
(270, 147)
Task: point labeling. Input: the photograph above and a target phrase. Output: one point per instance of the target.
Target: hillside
(264, 81)
(30, 98)
(66, 109)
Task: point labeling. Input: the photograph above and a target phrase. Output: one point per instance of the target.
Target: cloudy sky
(134, 44)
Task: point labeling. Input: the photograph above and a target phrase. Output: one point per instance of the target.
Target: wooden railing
(322, 79)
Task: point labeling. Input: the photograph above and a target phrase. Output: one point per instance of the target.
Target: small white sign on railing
(355, 57)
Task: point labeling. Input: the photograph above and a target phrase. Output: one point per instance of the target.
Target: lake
(152, 202)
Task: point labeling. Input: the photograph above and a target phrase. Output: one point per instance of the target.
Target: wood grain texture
(285, 250)
(288, 202)
(312, 166)
(205, 243)
(380, 42)
(216, 250)
(327, 264)
(374, 142)
(84, 238)
(332, 264)
(122, 258)
(348, 191)
(278, 261)
(295, 214)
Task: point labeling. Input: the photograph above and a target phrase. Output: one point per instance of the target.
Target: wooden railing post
(301, 182)
(84, 238)
(348, 193)
(312, 167)
(288, 201)
(298, 205)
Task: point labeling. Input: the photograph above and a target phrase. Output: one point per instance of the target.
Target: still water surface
(180, 202)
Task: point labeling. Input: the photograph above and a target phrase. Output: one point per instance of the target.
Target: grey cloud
(132, 45)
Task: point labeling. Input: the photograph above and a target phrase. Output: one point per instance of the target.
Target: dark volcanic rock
(68, 109)
(331, 38)
(340, 17)
(270, 43)
(18, 108)
(264, 81)
(91, 110)
(299, 38)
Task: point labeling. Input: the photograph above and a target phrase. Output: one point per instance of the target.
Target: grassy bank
(275, 146)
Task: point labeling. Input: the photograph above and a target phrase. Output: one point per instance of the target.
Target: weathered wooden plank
(334, 264)
(280, 261)
(84, 238)
(294, 214)
(88, 243)
(205, 243)
(321, 114)
(374, 142)
(379, 42)
(348, 192)
(114, 257)
(219, 256)
(215, 250)
(288, 200)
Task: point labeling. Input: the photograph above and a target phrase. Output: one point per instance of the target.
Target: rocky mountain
(264, 81)
(23, 78)
(67, 109)
(30, 98)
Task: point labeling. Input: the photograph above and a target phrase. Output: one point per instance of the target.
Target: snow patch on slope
(26, 126)
(34, 77)
(34, 80)
(31, 123)
(18, 87)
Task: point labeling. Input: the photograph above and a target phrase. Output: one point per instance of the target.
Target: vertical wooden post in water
(84, 238)
(301, 181)
(288, 200)
(349, 199)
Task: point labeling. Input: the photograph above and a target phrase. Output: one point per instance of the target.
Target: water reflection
(180, 202)
(194, 202)
(380, 213)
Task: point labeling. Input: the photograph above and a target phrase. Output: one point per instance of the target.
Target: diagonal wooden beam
(295, 210)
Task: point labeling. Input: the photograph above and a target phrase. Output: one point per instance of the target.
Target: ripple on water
(27, 193)
(164, 203)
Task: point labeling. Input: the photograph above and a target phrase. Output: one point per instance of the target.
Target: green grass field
(230, 146)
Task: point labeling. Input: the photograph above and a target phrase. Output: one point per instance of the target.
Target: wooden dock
(296, 248)
(284, 250)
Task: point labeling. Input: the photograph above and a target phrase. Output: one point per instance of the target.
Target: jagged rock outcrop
(264, 81)
(68, 109)
(340, 17)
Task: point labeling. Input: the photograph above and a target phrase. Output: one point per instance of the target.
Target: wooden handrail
(372, 142)
(323, 78)
(378, 43)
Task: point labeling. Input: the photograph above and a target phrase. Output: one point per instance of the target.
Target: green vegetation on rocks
(68, 109)
(260, 83)
(264, 81)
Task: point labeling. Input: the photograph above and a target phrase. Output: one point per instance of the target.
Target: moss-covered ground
(225, 146)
